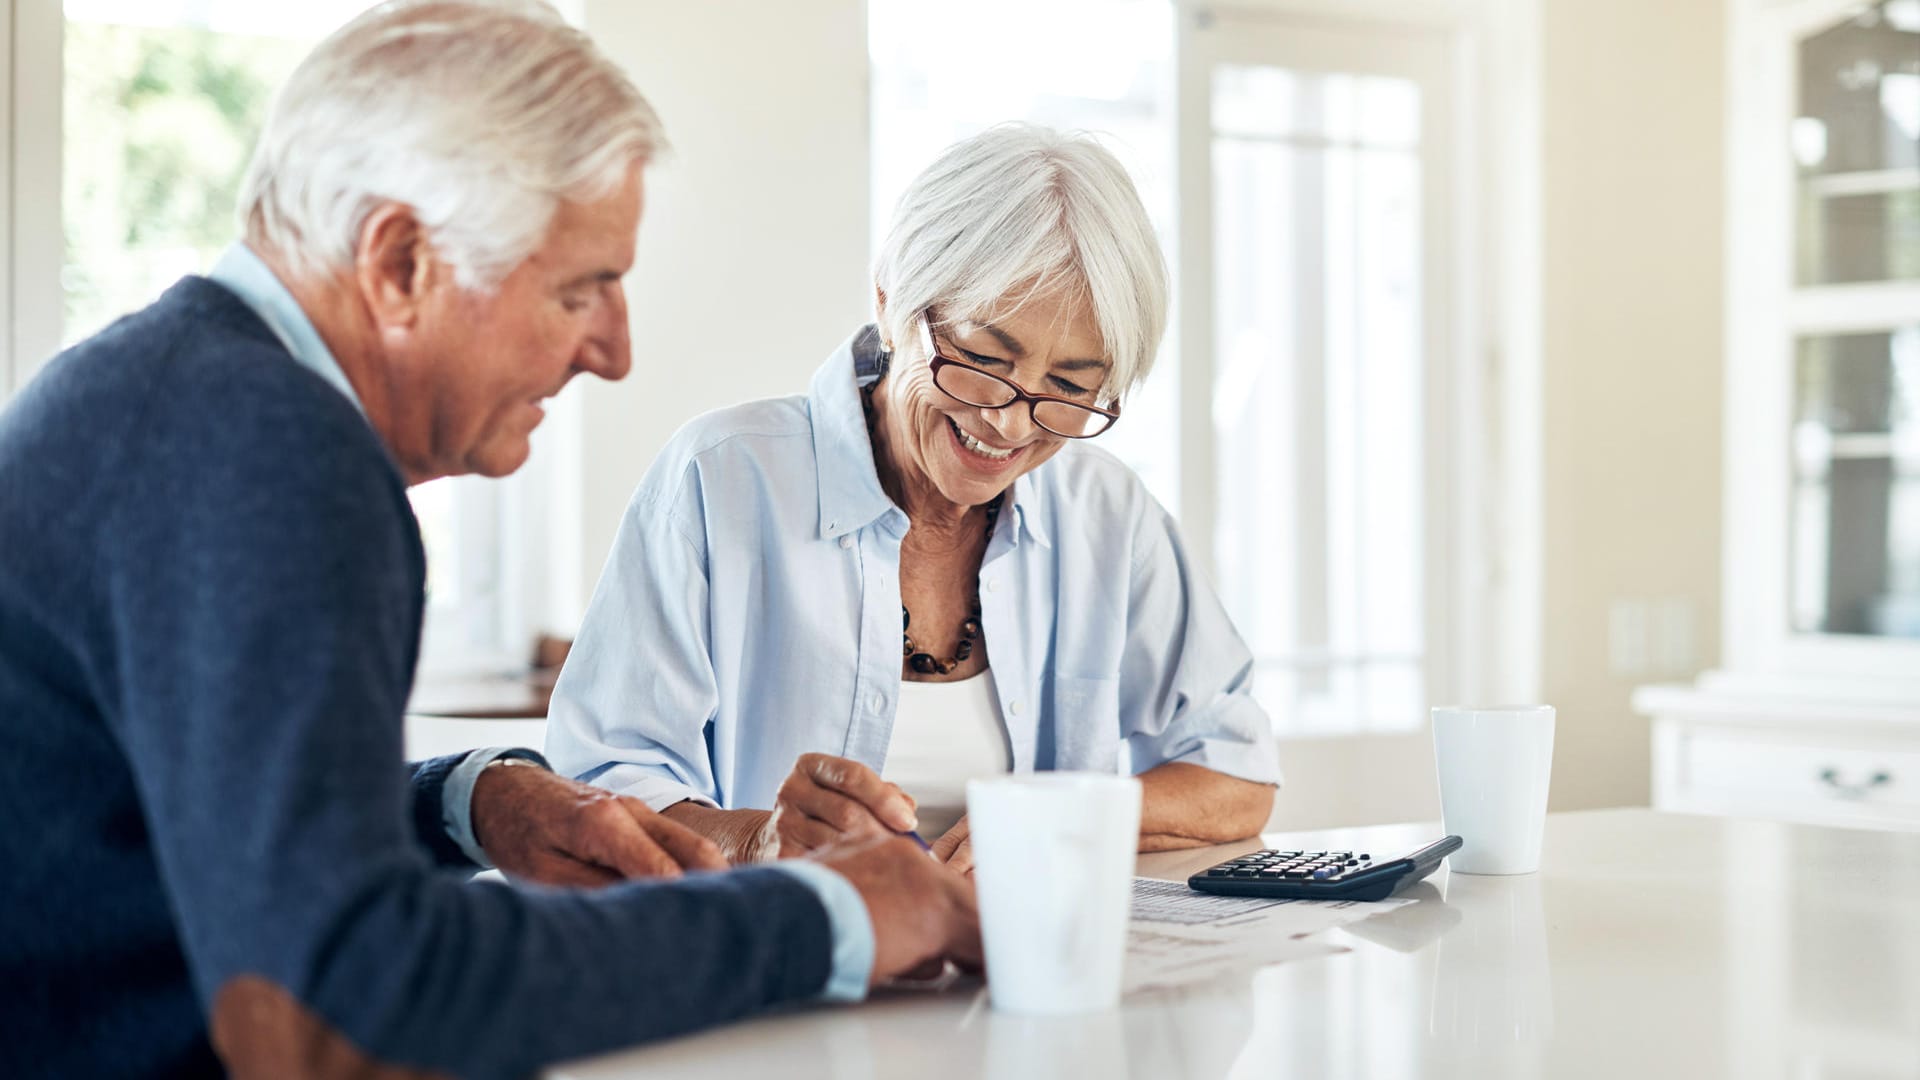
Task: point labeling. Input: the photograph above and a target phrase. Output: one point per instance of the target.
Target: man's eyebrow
(1012, 345)
(594, 277)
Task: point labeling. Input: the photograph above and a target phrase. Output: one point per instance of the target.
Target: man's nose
(608, 349)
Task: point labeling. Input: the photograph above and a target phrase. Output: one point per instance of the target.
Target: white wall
(1631, 172)
(752, 262)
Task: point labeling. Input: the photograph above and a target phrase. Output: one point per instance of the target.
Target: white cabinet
(1816, 713)
(1820, 762)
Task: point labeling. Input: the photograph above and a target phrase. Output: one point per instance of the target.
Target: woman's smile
(980, 455)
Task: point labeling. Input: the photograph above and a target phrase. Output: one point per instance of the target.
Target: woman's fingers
(948, 842)
(961, 861)
(800, 834)
(842, 812)
(886, 803)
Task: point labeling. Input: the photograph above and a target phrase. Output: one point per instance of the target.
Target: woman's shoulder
(769, 437)
(748, 427)
(1090, 483)
(769, 429)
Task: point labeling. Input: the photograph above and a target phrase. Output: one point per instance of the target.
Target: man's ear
(393, 265)
(880, 314)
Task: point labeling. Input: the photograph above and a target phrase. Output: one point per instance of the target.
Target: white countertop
(1649, 945)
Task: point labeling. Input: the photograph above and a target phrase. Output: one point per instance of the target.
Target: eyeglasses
(967, 384)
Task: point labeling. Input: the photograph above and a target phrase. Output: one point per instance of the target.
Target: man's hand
(827, 799)
(921, 913)
(955, 848)
(537, 826)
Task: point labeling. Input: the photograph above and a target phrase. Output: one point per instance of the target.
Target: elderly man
(211, 597)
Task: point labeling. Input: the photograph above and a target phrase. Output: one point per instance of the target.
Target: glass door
(1855, 440)
(1315, 164)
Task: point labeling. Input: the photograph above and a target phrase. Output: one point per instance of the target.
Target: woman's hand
(828, 799)
(955, 848)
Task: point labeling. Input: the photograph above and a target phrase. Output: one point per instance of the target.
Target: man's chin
(496, 460)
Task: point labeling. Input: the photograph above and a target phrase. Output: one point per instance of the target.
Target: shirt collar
(851, 497)
(244, 274)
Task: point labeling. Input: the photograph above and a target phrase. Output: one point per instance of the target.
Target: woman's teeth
(979, 447)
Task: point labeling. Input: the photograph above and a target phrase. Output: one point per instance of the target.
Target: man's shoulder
(193, 391)
(196, 352)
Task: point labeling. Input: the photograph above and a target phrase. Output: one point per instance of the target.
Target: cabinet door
(1856, 434)
(1823, 403)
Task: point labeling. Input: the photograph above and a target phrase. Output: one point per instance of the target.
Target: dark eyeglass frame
(938, 361)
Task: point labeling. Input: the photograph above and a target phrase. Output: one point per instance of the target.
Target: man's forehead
(599, 232)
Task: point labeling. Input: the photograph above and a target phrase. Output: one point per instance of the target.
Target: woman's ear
(880, 316)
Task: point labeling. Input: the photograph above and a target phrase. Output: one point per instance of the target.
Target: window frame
(533, 515)
(1484, 545)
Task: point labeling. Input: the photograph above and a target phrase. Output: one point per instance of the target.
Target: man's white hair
(1020, 213)
(481, 116)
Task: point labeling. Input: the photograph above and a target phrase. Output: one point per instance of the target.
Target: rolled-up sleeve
(1186, 676)
(632, 704)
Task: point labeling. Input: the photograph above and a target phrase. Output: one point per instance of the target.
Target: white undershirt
(945, 734)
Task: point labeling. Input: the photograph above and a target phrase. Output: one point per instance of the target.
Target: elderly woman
(824, 614)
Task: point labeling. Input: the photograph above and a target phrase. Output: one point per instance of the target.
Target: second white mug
(1494, 765)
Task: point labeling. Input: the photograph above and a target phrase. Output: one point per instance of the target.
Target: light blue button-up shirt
(750, 613)
(243, 273)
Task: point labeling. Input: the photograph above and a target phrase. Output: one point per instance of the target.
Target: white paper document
(1179, 936)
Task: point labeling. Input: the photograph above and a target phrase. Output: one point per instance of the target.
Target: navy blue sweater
(211, 587)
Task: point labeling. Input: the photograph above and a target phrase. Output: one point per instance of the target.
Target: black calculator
(1321, 875)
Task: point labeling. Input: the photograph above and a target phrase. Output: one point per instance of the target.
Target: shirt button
(1013, 708)
(993, 584)
(846, 541)
(879, 702)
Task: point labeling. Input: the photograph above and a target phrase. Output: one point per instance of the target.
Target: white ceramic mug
(1053, 858)
(1494, 765)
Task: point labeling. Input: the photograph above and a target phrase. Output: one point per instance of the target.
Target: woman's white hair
(481, 116)
(1020, 213)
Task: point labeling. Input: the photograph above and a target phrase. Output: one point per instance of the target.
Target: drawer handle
(1856, 789)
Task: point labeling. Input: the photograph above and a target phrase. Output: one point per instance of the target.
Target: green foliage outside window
(160, 123)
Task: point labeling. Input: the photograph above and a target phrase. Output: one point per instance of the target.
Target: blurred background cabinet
(1815, 713)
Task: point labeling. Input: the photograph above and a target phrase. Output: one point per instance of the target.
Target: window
(1318, 384)
(156, 105)
(1311, 338)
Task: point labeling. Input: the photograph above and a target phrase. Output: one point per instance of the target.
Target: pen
(914, 835)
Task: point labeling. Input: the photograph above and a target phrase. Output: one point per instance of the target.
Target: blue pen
(914, 835)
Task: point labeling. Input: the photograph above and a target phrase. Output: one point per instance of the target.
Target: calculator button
(1322, 874)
